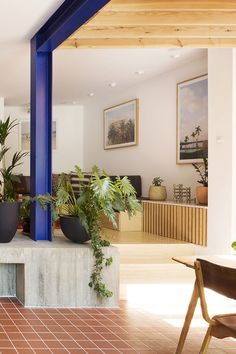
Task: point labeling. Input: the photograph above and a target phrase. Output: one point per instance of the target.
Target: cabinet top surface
(171, 202)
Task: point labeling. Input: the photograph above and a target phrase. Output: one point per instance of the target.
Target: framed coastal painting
(25, 135)
(192, 120)
(121, 125)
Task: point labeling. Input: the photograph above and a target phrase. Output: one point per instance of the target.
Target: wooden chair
(221, 280)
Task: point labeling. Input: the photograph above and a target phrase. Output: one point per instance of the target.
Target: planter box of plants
(80, 216)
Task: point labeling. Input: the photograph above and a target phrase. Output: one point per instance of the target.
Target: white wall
(1, 108)
(69, 150)
(222, 150)
(155, 154)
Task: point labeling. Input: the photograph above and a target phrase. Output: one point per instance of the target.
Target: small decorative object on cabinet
(202, 191)
(182, 194)
(157, 191)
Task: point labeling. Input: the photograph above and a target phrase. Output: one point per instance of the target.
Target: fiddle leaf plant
(202, 170)
(7, 192)
(99, 196)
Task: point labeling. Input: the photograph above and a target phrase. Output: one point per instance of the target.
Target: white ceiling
(19, 21)
(76, 72)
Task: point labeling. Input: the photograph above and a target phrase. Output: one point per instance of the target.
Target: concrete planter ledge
(54, 274)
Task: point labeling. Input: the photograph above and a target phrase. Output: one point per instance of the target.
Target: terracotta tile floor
(126, 330)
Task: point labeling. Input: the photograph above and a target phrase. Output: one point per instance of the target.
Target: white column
(1, 108)
(222, 153)
(1, 114)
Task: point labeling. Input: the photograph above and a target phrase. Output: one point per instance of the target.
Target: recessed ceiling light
(113, 84)
(175, 56)
(139, 72)
(74, 102)
(91, 94)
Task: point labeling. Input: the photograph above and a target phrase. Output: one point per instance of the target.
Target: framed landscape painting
(192, 120)
(121, 125)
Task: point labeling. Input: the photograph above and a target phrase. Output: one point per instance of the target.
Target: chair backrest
(219, 278)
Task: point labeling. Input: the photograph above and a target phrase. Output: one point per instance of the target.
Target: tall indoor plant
(80, 215)
(202, 191)
(9, 207)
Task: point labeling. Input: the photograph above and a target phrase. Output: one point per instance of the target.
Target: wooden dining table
(223, 260)
(188, 261)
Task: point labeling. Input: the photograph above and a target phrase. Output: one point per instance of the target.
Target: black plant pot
(72, 228)
(9, 219)
(26, 225)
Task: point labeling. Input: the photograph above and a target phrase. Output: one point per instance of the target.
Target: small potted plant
(202, 191)
(233, 245)
(157, 191)
(25, 214)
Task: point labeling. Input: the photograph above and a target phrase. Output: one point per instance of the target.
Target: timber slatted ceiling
(155, 23)
(180, 222)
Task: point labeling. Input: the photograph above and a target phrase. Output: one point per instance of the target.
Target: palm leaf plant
(97, 197)
(7, 191)
(9, 207)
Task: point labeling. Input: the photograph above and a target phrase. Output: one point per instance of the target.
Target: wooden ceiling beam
(149, 42)
(172, 18)
(170, 5)
(155, 32)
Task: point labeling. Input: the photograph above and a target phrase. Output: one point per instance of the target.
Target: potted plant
(9, 206)
(80, 216)
(157, 191)
(25, 214)
(233, 245)
(202, 191)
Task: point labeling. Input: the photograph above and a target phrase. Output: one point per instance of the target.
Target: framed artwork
(121, 125)
(192, 120)
(25, 135)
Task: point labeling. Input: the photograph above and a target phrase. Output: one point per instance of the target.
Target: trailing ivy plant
(99, 196)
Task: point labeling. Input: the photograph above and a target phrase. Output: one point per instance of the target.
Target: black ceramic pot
(72, 228)
(9, 219)
(26, 225)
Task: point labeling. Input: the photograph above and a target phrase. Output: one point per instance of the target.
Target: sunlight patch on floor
(170, 302)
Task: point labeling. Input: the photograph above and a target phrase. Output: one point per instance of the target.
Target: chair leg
(206, 341)
(188, 319)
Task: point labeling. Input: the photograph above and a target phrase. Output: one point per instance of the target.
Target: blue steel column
(67, 19)
(41, 139)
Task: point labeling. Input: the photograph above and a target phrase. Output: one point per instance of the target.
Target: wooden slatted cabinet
(184, 222)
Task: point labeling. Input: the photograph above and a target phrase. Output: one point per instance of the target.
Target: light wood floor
(136, 237)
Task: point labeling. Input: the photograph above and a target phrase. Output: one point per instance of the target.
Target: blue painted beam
(41, 139)
(66, 20)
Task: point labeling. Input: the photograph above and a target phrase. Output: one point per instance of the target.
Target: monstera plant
(81, 214)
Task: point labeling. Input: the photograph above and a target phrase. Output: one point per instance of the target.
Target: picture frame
(192, 120)
(24, 135)
(121, 125)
